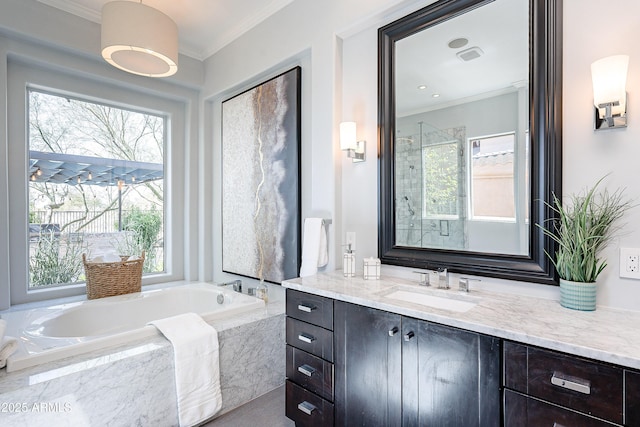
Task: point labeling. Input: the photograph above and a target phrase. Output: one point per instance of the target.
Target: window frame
(22, 76)
(469, 179)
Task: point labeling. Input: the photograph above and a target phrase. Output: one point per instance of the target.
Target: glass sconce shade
(348, 136)
(609, 76)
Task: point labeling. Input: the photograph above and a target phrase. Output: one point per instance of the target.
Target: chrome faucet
(237, 285)
(463, 283)
(443, 278)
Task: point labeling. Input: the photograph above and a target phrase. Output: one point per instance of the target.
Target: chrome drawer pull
(408, 336)
(306, 338)
(306, 369)
(393, 331)
(306, 407)
(571, 383)
(305, 308)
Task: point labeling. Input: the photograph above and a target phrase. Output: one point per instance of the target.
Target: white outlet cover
(630, 263)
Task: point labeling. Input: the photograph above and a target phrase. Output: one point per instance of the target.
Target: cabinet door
(367, 366)
(632, 398)
(450, 377)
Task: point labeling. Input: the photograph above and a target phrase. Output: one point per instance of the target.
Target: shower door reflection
(430, 186)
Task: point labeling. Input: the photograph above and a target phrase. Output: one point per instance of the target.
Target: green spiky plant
(582, 228)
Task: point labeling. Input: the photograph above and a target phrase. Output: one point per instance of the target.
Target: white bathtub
(51, 333)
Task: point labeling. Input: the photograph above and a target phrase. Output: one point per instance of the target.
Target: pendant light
(139, 39)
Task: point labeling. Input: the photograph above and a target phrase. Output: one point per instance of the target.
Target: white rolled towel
(3, 328)
(314, 247)
(8, 346)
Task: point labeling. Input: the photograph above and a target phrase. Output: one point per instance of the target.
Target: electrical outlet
(630, 263)
(351, 239)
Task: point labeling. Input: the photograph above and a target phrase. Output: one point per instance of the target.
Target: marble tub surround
(62, 330)
(133, 384)
(608, 335)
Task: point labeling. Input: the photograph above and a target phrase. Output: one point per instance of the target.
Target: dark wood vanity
(543, 387)
(349, 365)
(310, 355)
(395, 370)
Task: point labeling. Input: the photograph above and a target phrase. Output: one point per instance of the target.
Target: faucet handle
(424, 278)
(463, 283)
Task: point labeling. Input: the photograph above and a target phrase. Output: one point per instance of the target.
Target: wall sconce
(348, 142)
(609, 77)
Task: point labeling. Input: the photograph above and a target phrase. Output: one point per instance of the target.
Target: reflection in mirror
(461, 132)
(470, 150)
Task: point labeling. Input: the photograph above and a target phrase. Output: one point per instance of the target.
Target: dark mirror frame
(545, 132)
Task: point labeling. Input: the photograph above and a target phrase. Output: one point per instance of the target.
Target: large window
(491, 178)
(91, 169)
(95, 186)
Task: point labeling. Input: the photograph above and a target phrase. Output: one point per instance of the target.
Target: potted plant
(582, 228)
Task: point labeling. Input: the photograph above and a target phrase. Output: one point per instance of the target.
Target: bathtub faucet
(237, 285)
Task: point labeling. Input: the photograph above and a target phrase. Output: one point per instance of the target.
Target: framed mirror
(470, 107)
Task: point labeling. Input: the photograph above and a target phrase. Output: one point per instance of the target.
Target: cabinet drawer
(523, 411)
(310, 338)
(310, 308)
(586, 386)
(632, 398)
(310, 372)
(307, 409)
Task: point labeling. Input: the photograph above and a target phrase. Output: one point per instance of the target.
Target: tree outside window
(440, 179)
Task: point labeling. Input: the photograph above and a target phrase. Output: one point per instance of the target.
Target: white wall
(303, 33)
(590, 33)
(349, 191)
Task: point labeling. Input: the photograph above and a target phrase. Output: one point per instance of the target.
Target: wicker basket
(106, 279)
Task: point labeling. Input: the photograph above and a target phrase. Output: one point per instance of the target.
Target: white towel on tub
(197, 366)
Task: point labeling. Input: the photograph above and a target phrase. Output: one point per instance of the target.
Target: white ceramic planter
(578, 295)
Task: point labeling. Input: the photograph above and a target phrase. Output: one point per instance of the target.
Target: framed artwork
(261, 180)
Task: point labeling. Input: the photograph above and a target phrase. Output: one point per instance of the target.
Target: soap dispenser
(262, 291)
(349, 262)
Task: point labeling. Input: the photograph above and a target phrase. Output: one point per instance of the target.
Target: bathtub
(55, 332)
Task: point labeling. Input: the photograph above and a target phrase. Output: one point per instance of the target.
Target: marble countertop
(608, 335)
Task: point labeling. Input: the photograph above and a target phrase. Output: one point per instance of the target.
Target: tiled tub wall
(139, 389)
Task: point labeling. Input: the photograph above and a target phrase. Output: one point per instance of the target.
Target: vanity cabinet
(398, 371)
(545, 387)
(351, 365)
(309, 389)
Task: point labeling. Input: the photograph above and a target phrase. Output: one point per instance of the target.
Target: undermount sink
(443, 301)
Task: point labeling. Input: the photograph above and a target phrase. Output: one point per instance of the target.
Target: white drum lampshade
(139, 39)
